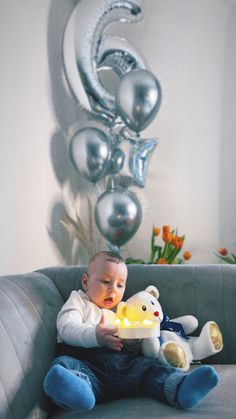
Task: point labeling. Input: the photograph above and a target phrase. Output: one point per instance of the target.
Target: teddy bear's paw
(216, 336)
(174, 354)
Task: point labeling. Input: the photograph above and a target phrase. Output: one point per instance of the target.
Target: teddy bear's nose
(156, 313)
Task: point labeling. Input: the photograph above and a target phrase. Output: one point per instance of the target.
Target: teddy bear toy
(174, 346)
(144, 306)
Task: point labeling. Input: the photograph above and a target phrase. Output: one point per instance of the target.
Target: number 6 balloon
(86, 50)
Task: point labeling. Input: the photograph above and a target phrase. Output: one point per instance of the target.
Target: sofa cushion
(220, 403)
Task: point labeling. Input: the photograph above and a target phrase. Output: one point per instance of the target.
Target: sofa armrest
(28, 305)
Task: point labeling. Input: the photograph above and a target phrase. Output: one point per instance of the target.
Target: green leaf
(173, 255)
(178, 261)
(233, 257)
(227, 259)
(152, 239)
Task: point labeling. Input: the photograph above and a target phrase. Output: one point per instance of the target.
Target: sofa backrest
(205, 291)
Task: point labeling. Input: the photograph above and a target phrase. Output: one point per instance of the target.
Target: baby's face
(105, 283)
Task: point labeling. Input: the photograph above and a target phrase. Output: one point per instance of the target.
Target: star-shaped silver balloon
(130, 161)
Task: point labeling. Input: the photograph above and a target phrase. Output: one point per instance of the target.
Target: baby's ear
(121, 310)
(153, 291)
(84, 281)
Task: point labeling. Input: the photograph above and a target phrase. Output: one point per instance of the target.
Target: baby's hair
(108, 256)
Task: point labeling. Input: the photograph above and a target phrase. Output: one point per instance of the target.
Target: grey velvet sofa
(29, 305)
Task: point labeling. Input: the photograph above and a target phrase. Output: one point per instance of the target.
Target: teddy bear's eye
(152, 303)
(144, 308)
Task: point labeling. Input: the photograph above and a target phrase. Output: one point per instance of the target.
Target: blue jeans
(118, 375)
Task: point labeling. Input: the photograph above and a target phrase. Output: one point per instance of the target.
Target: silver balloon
(142, 155)
(118, 215)
(135, 162)
(117, 161)
(138, 99)
(90, 153)
(85, 50)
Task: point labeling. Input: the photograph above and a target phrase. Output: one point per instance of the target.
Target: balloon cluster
(117, 152)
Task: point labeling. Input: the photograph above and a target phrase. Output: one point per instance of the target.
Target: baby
(93, 365)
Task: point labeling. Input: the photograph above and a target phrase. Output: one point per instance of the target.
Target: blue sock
(68, 389)
(195, 386)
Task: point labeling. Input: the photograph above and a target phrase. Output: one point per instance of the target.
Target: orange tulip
(223, 251)
(187, 255)
(166, 229)
(156, 231)
(180, 243)
(166, 237)
(177, 242)
(161, 261)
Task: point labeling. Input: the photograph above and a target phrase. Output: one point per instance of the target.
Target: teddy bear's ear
(121, 310)
(153, 291)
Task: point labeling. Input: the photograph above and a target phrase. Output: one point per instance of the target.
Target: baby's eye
(105, 281)
(120, 286)
(144, 308)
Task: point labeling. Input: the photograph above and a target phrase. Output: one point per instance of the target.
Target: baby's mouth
(108, 301)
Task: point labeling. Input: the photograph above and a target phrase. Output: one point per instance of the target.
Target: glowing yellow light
(126, 322)
(133, 329)
(147, 322)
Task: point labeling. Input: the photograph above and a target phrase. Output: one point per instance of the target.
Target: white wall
(186, 48)
(190, 46)
(227, 169)
(26, 180)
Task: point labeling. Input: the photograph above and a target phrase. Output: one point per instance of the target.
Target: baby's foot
(195, 386)
(68, 389)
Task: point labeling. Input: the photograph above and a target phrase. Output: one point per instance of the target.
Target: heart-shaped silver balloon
(118, 215)
(138, 99)
(90, 152)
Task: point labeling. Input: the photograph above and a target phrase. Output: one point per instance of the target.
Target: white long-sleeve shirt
(77, 320)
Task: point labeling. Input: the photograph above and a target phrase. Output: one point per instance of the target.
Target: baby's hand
(106, 336)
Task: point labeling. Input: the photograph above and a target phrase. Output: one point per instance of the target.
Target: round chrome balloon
(118, 214)
(138, 99)
(90, 153)
(117, 161)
